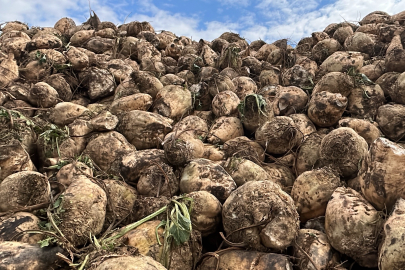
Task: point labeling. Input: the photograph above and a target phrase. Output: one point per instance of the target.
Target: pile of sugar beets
(127, 148)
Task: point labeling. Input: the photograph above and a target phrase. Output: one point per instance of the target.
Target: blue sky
(268, 20)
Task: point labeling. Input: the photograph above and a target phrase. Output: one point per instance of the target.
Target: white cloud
(278, 18)
(35, 12)
(272, 3)
(188, 25)
(46, 13)
(298, 24)
(254, 33)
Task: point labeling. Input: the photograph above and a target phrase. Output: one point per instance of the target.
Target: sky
(268, 20)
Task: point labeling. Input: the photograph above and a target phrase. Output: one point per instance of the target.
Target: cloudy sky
(268, 20)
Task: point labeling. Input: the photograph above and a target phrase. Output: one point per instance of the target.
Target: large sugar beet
(78, 59)
(304, 124)
(281, 175)
(342, 33)
(15, 42)
(308, 153)
(16, 255)
(325, 109)
(264, 51)
(206, 212)
(245, 148)
(390, 119)
(242, 259)
(138, 262)
(23, 189)
(68, 173)
(335, 82)
(146, 238)
(376, 17)
(243, 170)
(104, 121)
(172, 101)
(312, 190)
(146, 82)
(60, 83)
(365, 100)
(14, 26)
(126, 88)
(34, 71)
(225, 104)
(352, 225)
(269, 77)
(219, 83)
(203, 174)
(16, 128)
(313, 249)
(230, 56)
(53, 57)
(65, 113)
(84, 205)
(104, 148)
(361, 42)
(121, 201)
(394, 60)
(289, 100)
(99, 82)
(247, 207)
(144, 206)
(344, 150)
(397, 90)
(373, 71)
(43, 95)
(254, 111)
(381, 179)
(244, 86)
(11, 228)
(14, 158)
(391, 253)
(298, 76)
(325, 48)
(131, 164)
(132, 102)
(158, 180)
(225, 128)
(144, 129)
(8, 71)
(366, 129)
(342, 62)
(121, 69)
(278, 135)
(63, 25)
(19, 91)
(192, 125)
(180, 149)
(44, 41)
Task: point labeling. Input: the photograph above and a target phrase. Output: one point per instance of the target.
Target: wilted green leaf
(57, 203)
(161, 224)
(181, 230)
(43, 243)
(46, 242)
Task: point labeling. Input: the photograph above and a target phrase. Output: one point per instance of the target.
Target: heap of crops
(126, 148)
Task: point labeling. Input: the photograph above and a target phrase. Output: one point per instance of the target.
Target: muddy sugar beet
(123, 147)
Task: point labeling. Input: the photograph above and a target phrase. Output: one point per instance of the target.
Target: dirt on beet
(128, 147)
